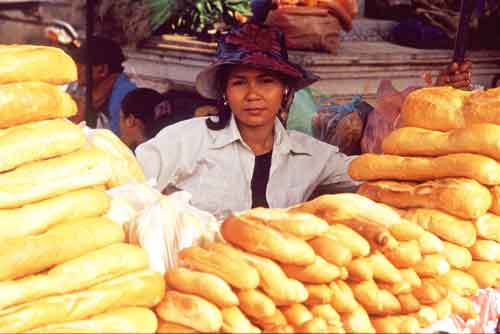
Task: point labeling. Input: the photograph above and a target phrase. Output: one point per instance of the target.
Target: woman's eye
(268, 80)
(237, 82)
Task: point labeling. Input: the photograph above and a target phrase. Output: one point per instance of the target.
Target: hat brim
(206, 80)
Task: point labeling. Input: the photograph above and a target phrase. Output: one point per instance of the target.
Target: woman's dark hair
(223, 109)
(147, 105)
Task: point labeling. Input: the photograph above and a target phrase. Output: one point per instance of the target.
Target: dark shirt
(260, 178)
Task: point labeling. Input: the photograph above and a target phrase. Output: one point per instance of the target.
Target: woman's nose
(253, 91)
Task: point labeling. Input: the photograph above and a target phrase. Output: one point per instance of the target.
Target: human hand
(456, 75)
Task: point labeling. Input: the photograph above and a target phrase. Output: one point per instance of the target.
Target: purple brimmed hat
(256, 45)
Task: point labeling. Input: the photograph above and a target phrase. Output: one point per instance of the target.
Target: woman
(245, 158)
(143, 113)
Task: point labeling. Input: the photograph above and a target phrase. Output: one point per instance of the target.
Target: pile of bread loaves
(63, 268)
(344, 263)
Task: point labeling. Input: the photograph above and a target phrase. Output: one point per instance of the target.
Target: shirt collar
(282, 142)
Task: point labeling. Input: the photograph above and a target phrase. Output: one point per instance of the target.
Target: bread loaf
(459, 282)
(485, 250)
(434, 108)
(279, 329)
(430, 292)
(191, 311)
(255, 304)
(406, 255)
(398, 288)
(487, 274)
(482, 107)
(319, 294)
(458, 257)
(443, 308)
(495, 196)
(395, 324)
(124, 165)
(302, 225)
(341, 207)
(430, 244)
(37, 141)
(462, 306)
(49, 178)
(233, 321)
(360, 270)
(409, 304)
(328, 313)
(488, 227)
(144, 289)
(100, 265)
(235, 272)
(406, 231)
(373, 167)
(357, 321)
(267, 323)
(33, 101)
(460, 197)
(19, 63)
(383, 270)
(315, 325)
(38, 217)
(262, 240)
(122, 320)
(273, 281)
(374, 300)
(30, 255)
(426, 316)
(207, 286)
(345, 236)
(343, 300)
(477, 138)
(447, 227)
(432, 265)
(328, 248)
(319, 272)
(296, 314)
(170, 327)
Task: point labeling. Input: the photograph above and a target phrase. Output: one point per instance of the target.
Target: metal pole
(90, 115)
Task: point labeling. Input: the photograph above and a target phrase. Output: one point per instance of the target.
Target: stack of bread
(339, 263)
(441, 170)
(63, 268)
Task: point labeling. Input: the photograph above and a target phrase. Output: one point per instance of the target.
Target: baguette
(38, 141)
(409, 304)
(345, 236)
(328, 248)
(233, 321)
(37, 218)
(255, 304)
(430, 292)
(100, 265)
(319, 294)
(343, 300)
(482, 107)
(395, 324)
(360, 270)
(328, 313)
(207, 286)
(374, 300)
(236, 272)
(39, 102)
(462, 306)
(459, 282)
(357, 321)
(143, 289)
(45, 179)
(280, 329)
(488, 227)
(406, 255)
(406, 230)
(434, 108)
(495, 204)
(486, 250)
(341, 207)
(320, 272)
(315, 325)
(262, 240)
(122, 320)
(124, 165)
(383, 270)
(296, 314)
(25, 256)
(410, 275)
(432, 265)
(487, 274)
(430, 244)
(374, 167)
(476, 138)
(302, 225)
(460, 197)
(170, 327)
(277, 319)
(398, 288)
(19, 63)
(458, 257)
(426, 316)
(190, 311)
(273, 281)
(447, 227)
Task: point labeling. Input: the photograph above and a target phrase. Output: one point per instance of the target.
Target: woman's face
(254, 96)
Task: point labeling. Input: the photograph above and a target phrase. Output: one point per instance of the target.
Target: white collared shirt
(216, 167)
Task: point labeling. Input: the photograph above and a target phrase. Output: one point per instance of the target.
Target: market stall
(416, 250)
